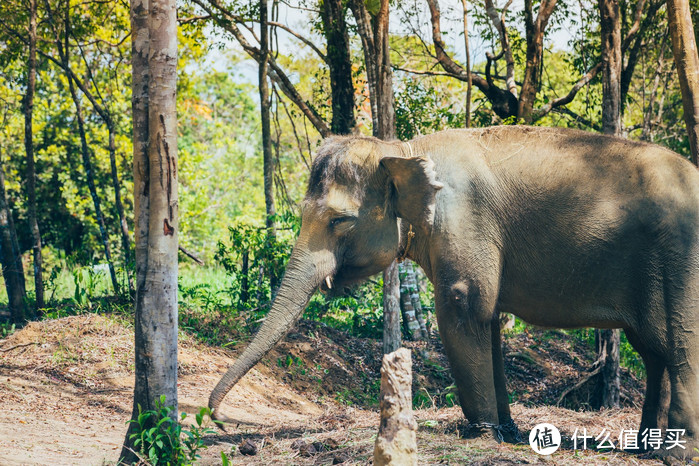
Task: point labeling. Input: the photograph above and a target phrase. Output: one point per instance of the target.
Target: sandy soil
(66, 386)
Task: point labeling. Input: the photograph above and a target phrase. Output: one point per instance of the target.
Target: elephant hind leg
(681, 297)
(657, 397)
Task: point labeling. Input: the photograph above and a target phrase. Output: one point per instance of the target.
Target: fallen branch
(5, 350)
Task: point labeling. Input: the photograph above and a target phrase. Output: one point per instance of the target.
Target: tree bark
(154, 62)
(31, 168)
(12, 269)
(684, 49)
(267, 155)
(339, 63)
(396, 442)
(411, 308)
(391, 309)
(610, 32)
(608, 385)
(535, 29)
(410, 324)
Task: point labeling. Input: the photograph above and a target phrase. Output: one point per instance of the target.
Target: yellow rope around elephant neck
(404, 254)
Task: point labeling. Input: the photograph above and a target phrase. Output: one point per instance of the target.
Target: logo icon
(545, 438)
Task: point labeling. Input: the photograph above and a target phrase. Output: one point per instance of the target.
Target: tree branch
(301, 38)
(566, 99)
(193, 19)
(499, 23)
(449, 65)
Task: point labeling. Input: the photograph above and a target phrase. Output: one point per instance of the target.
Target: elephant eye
(340, 220)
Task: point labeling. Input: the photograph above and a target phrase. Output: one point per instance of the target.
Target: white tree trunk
(154, 59)
(396, 442)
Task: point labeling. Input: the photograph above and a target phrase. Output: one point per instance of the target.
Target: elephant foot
(510, 432)
(482, 432)
(677, 455)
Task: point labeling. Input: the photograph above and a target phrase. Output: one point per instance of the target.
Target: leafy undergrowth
(68, 384)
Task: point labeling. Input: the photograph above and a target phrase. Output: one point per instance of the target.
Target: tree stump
(396, 442)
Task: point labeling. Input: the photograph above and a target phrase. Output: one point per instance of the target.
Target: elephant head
(359, 190)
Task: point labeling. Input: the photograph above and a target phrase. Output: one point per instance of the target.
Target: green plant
(7, 329)
(160, 438)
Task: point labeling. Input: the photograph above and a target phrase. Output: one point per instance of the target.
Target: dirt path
(65, 395)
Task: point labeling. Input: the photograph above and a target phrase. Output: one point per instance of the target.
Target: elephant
(560, 227)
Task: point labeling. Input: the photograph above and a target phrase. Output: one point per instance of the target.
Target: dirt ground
(66, 387)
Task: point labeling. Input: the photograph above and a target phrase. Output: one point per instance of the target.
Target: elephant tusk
(328, 282)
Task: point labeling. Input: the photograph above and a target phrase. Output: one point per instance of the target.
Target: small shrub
(160, 438)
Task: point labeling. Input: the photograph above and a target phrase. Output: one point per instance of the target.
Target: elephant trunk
(304, 273)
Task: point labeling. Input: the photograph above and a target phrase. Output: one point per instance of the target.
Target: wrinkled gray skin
(561, 228)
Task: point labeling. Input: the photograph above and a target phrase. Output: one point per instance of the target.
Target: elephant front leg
(467, 340)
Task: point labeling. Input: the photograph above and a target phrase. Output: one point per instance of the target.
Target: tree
(469, 76)
(154, 63)
(11, 260)
(339, 61)
(684, 48)
(31, 168)
(265, 104)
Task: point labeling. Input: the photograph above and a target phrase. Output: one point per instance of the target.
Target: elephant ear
(414, 187)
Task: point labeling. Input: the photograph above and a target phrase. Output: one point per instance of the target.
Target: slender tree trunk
(340, 64)
(610, 31)
(684, 49)
(384, 87)
(391, 309)
(535, 29)
(366, 34)
(410, 324)
(647, 133)
(469, 78)
(31, 169)
(154, 85)
(608, 385)
(413, 320)
(267, 155)
(124, 227)
(12, 269)
(85, 152)
(89, 172)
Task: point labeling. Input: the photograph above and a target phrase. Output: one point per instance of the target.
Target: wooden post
(396, 442)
